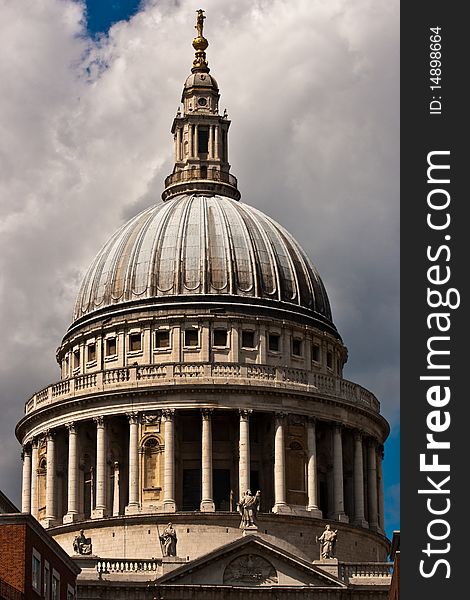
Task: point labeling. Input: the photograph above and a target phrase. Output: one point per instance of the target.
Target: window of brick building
(36, 571)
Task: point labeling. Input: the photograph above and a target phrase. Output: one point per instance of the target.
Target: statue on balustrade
(168, 540)
(248, 508)
(81, 544)
(327, 542)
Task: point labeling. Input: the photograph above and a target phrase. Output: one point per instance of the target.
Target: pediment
(250, 562)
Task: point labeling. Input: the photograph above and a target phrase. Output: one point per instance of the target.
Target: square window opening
(135, 342)
(274, 342)
(162, 339)
(329, 360)
(111, 347)
(248, 339)
(220, 337)
(316, 353)
(191, 338)
(297, 347)
(91, 352)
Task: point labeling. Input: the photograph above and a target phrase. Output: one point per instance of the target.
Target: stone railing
(348, 571)
(145, 376)
(127, 565)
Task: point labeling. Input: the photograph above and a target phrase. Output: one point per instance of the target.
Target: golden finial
(200, 44)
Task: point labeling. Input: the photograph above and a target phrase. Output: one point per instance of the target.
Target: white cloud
(312, 91)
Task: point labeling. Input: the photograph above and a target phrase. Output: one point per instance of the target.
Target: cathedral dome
(204, 248)
(201, 80)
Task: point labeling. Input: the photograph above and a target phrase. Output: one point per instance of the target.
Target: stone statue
(327, 542)
(248, 507)
(200, 22)
(168, 540)
(82, 544)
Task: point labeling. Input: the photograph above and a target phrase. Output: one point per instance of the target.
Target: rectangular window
(316, 353)
(76, 359)
(55, 588)
(135, 342)
(162, 339)
(47, 583)
(248, 339)
(91, 351)
(273, 342)
(191, 338)
(329, 360)
(70, 593)
(36, 571)
(111, 347)
(220, 338)
(297, 347)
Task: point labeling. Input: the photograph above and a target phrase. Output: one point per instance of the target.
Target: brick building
(32, 564)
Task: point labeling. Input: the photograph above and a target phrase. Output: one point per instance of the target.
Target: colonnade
(372, 474)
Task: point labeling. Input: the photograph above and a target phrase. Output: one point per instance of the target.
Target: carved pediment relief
(250, 569)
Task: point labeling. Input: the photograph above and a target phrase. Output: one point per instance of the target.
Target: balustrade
(149, 375)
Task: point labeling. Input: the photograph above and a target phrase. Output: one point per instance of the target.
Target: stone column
(50, 517)
(190, 141)
(100, 509)
(72, 478)
(26, 489)
(280, 503)
(381, 512)
(116, 489)
(207, 501)
(196, 141)
(216, 142)
(133, 506)
(178, 145)
(359, 516)
(338, 486)
(312, 469)
(34, 478)
(169, 503)
(210, 148)
(244, 462)
(372, 485)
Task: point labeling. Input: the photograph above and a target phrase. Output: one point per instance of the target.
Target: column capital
(100, 421)
(133, 418)
(280, 417)
(244, 413)
(26, 449)
(206, 413)
(71, 427)
(338, 427)
(359, 435)
(34, 443)
(372, 443)
(312, 421)
(50, 435)
(168, 414)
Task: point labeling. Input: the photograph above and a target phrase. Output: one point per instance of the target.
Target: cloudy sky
(312, 89)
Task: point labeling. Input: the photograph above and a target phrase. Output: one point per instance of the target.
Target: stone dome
(202, 80)
(204, 248)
